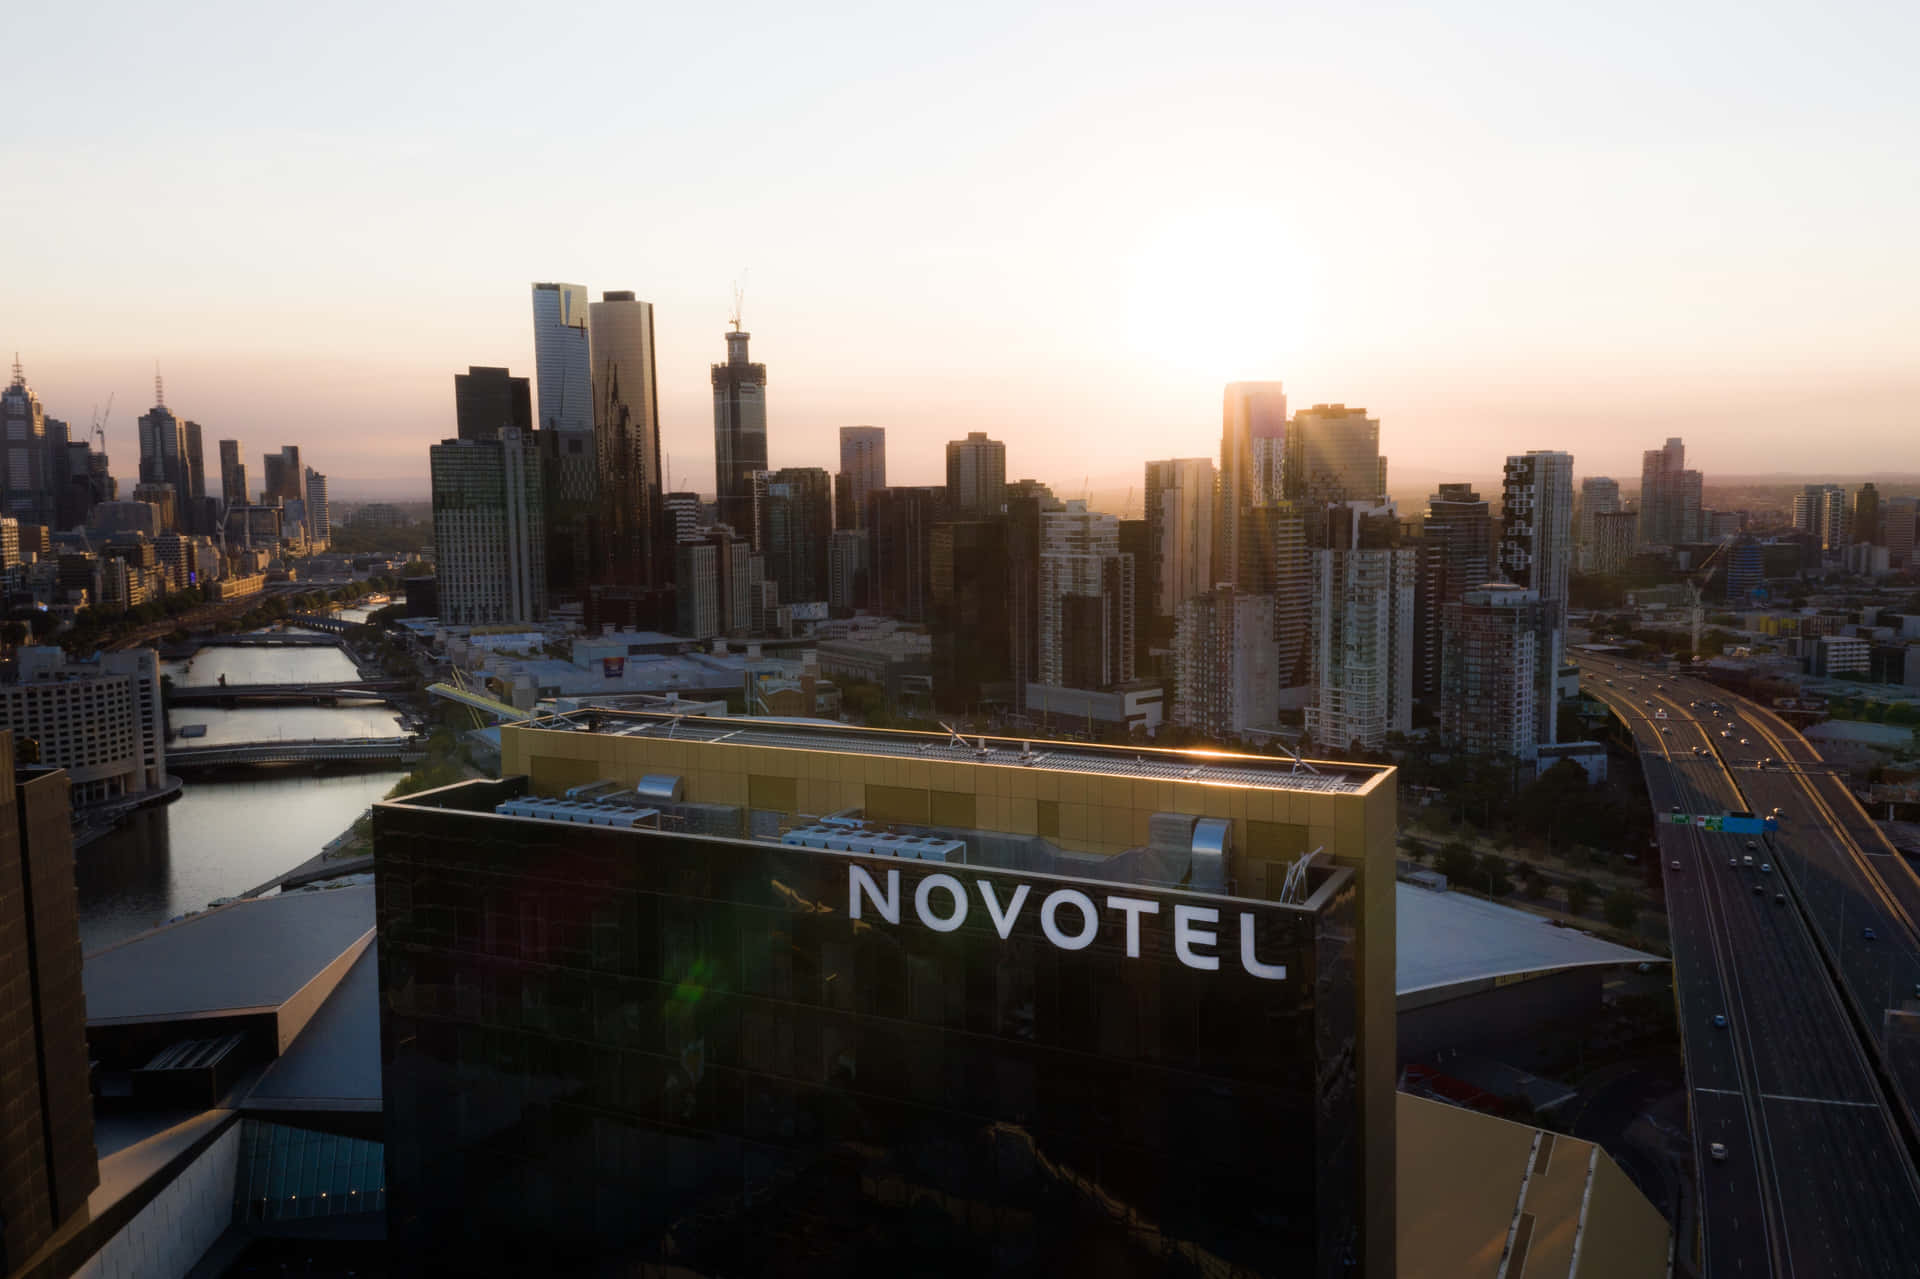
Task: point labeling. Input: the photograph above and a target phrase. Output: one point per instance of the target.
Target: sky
(1498, 227)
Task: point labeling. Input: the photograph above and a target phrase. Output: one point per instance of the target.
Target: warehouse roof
(1451, 939)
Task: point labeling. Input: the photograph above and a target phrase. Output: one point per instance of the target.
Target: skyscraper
(863, 468)
(1897, 528)
(1180, 515)
(1496, 686)
(626, 429)
(1225, 663)
(282, 475)
(1599, 495)
(233, 474)
(1333, 455)
(48, 1166)
(1669, 497)
(976, 477)
(1085, 600)
(683, 516)
(23, 479)
(1253, 417)
(795, 521)
(163, 448)
(1821, 510)
(561, 357)
(489, 530)
(740, 431)
(319, 518)
(1536, 546)
(195, 475)
(1455, 540)
(848, 555)
(485, 399)
(972, 663)
(1866, 515)
(900, 524)
(1362, 641)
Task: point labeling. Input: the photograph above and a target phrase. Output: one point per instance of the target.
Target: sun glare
(1221, 293)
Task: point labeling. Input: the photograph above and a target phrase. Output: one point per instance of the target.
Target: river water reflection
(223, 837)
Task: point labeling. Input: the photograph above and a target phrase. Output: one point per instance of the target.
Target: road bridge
(374, 750)
(379, 690)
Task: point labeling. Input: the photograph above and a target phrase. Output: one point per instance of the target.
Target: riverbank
(95, 820)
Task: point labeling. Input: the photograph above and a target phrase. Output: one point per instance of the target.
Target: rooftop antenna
(739, 297)
(19, 373)
(159, 387)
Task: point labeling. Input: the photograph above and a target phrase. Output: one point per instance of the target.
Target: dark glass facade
(611, 1049)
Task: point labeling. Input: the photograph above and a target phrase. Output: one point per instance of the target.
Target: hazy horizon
(1508, 229)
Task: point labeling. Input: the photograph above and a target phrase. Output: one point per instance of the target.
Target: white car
(1718, 1150)
(1676, 865)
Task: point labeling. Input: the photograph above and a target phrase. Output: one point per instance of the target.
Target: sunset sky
(1514, 226)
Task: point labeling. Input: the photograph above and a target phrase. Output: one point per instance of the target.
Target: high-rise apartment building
(1746, 570)
(100, 719)
(23, 464)
(1897, 520)
(1866, 515)
(281, 476)
(1180, 514)
(1253, 428)
(863, 468)
(233, 474)
(1497, 673)
(1616, 537)
(48, 1165)
(967, 613)
(696, 590)
(1364, 586)
(794, 520)
(1669, 497)
(1455, 554)
(562, 359)
(976, 477)
(740, 431)
(848, 556)
(1334, 456)
(1086, 605)
(1599, 495)
(626, 430)
(319, 517)
(1536, 542)
(1226, 677)
(489, 530)
(900, 524)
(1822, 511)
(682, 516)
(487, 399)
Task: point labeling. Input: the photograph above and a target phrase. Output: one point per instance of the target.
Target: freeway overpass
(1818, 1177)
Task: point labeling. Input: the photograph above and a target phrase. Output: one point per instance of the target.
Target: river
(222, 837)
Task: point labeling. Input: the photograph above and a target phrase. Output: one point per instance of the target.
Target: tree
(1457, 862)
(1580, 895)
(1491, 874)
(1531, 881)
(1620, 910)
(1413, 848)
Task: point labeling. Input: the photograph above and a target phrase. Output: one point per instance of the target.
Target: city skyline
(1586, 263)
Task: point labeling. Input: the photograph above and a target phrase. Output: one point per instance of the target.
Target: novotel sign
(1069, 918)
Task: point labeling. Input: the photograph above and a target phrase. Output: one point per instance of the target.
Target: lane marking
(1818, 1101)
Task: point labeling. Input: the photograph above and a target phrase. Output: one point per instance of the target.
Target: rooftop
(252, 954)
(1205, 767)
(1449, 939)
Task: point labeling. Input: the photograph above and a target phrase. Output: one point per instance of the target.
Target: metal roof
(1448, 939)
(334, 1062)
(1266, 772)
(255, 953)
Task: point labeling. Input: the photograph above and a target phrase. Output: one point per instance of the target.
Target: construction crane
(1698, 578)
(739, 297)
(100, 426)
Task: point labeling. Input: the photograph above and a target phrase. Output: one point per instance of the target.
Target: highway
(1816, 1179)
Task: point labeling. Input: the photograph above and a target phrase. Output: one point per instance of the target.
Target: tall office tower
(1821, 510)
(900, 524)
(47, 1162)
(1496, 683)
(1897, 519)
(1616, 536)
(848, 554)
(1455, 539)
(1669, 497)
(1599, 495)
(570, 469)
(1226, 677)
(696, 590)
(1746, 570)
(562, 360)
(863, 468)
(976, 477)
(1085, 600)
(739, 430)
(1036, 490)
(1333, 456)
(24, 478)
(1536, 541)
(683, 516)
(76, 499)
(319, 518)
(626, 431)
(1150, 631)
(486, 399)
(1364, 586)
(233, 474)
(1025, 511)
(1250, 411)
(1180, 516)
(489, 530)
(967, 613)
(794, 521)
(194, 474)
(1806, 509)
(280, 479)
(1287, 577)
(1866, 515)
(163, 447)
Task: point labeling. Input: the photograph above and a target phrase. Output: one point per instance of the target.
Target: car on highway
(1779, 899)
(1725, 733)
(1676, 808)
(1766, 869)
(1733, 861)
(1752, 848)
(1748, 860)
(1759, 890)
(1676, 863)
(1720, 1021)
(1745, 742)
(1718, 1150)
(1868, 934)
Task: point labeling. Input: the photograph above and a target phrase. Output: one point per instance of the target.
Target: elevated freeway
(1816, 1177)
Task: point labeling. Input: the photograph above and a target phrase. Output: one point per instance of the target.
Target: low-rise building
(99, 719)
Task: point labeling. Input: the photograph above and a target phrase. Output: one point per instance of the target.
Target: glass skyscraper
(561, 359)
